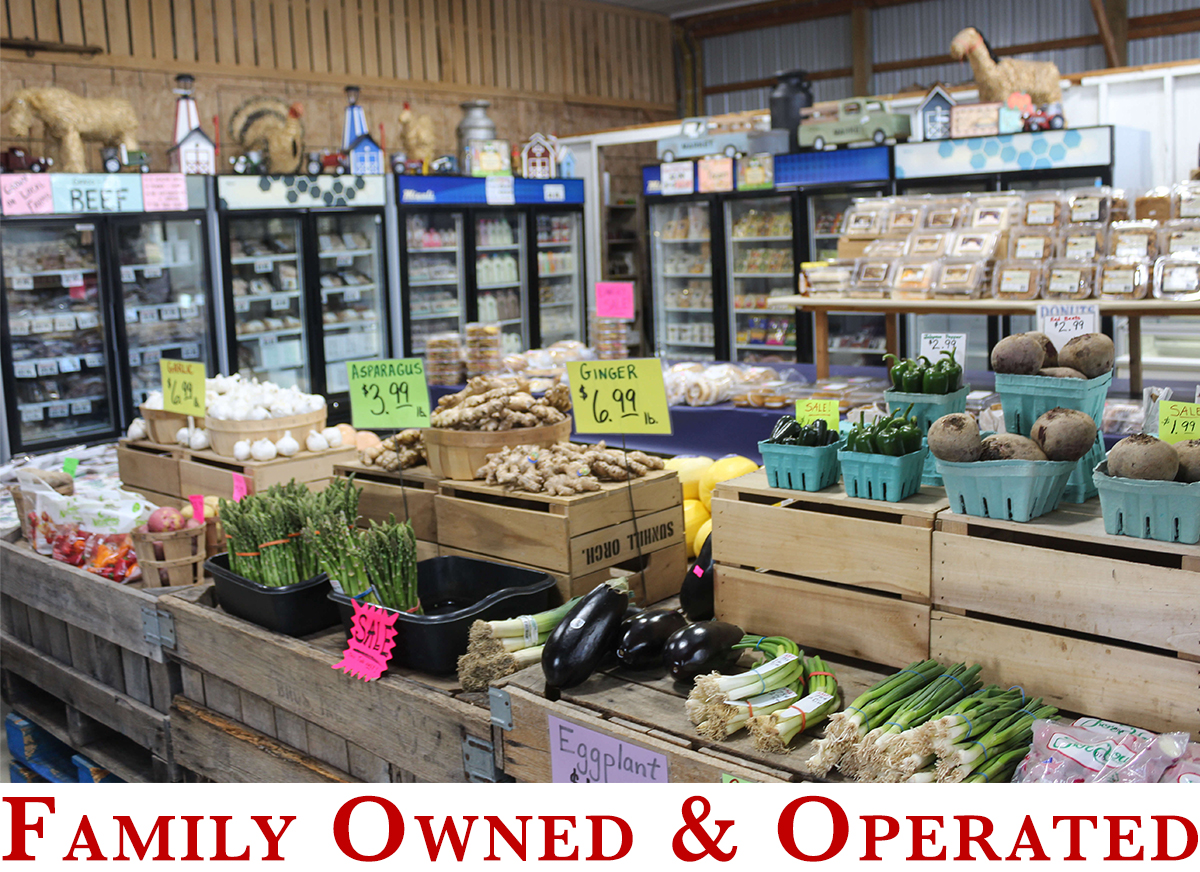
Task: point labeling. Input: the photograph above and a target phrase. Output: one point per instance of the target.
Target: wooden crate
(385, 493)
(246, 688)
(148, 466)
(206, 472)
(81, 658)
(645, 710)
(1104, 625)
(841, 574)
(577, 538)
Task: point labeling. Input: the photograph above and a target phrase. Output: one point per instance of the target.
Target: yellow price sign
(810, 410)
(1178, 422)
(183, 386)
(619, 396)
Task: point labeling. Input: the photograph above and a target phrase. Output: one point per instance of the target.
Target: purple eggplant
(700, 648)
(644, 636)
(589, 631)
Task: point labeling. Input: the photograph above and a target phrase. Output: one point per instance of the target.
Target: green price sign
(388, 394)
(183, 386)
(1178, 422)
(619, 396)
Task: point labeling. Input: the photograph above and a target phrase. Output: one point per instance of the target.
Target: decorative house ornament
(192, 153)
(566, 162)
(996, 78)
(934, 114)
(539, 158)
(363, 152)
(70, 121)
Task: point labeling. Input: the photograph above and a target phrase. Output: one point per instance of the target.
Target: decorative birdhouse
(365, 156)
(566, 162)
(192, 153)
(934, 114)
(539, 159)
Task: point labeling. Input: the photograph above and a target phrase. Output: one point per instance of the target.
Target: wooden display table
(891, 309)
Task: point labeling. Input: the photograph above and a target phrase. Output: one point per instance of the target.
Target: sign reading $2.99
(619, 396)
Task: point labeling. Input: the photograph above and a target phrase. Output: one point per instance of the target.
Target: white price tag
(60, 410)
(499, 191)
(1081, 247)
(352, 295)
(812, 702)
(22, 283)
(149, 314)
(1015, 281)
(32, 414)
(554, 193)
(81, 407)
(25, 369)
(151, 356)
(152, 272)
(68, 364)
(1064, 321)
(345, 260)
(131, 314)
(94, 361)
(72, 279)
(280, 302)
(18, 327)
(187, 313)
(47, 367)
(128, 274)
(64, 323)
(268, 340)
(168, 313)
(86, 321)
(190, 351)
(933, 344)
(42, 324)
(135, 358)
(1031, 248)
(241, 305)
(1064, 281)
(262, 266)
(1118, 281)
(1040, 213)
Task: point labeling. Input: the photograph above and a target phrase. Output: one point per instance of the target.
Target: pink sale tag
(197, 506)
(614, 300)
(239, 487)
(372, 638)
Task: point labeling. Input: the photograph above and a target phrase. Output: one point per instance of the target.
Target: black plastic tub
(294, 610)
(457, 591)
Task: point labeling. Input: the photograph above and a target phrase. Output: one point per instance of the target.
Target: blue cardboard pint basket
(1011, 490)
(1080, 486)
(927, 408)
(800, 467)
(880, 476)
(1168, 511)
(1025, 398)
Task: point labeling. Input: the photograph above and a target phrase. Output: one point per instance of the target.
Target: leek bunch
(499, 648)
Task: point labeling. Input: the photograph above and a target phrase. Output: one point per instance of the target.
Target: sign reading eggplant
(619, 396)
(388, 394)
(582, 756)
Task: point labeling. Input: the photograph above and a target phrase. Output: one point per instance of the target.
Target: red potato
(165, 519)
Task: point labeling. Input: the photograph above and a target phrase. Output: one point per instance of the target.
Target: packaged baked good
(1137, 239)
(1042, 209)
(1017, 280)
(1181, 236)
(904, 217)
(828, 278)
(1087, 205)
(928, 244)
(887, 246)
(994, 211)
(913, 278)
(961, 277)
(974, 243)
(1123, 278)
(1154, 203)
(1120, 210)
(1083, 241)
(872, 277)
(945, 214)
(1032, 243)
(1177, 277)
(1185, 200)
(865, 218)
(1069, 280)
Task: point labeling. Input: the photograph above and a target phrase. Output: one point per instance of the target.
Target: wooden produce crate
(1103, 625)
(385, 493)
(576, 539)
(838, 573)
(206, 472)
(82, 657)
(246, 691)
(147, 467)
(644, 712)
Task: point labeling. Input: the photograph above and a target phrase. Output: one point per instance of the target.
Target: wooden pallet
(407, 493)
(275, 692)
(1107, 625)
(80, 652)
(576, 539)
(842, 574)
(149, 466)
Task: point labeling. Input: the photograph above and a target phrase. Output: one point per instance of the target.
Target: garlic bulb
(333, 437)
(287, 446)
(282, 408)
(154, 401)
(258, 413)
(263, 449)
(183, 435)
(315, 441)
(241, 450)
(137, 429)
(198, 440)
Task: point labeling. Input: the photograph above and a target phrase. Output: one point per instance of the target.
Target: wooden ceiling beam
(774, 13)
(1106, 34)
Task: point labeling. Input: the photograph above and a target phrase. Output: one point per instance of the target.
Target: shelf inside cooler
(762, 239)
(45, 404)
(430, 316)
(762, 275)
(750, 310)
(762, 346)
(352, 252)
(432, 283)
(686, 275)
(165, 265)
(50, 272)
(260, 298)
(445, 249)
(687, 309)
(269, 334)
(557, 274)
(498, 286)
(694, 241)
(163, 347)
(514, 246)
(263, 258)
(48, 367)
(557, 305)
(366, 325)
(567, 244)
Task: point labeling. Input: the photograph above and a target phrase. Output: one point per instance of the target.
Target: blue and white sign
(94, 193)
(1013, 153)
(298, 192)
(843, 166)
(470, 191)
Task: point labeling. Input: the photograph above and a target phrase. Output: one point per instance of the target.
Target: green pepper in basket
(910, 434)
(896, 370)
(888, 441)
(913, 378)
(936, 380)
(953, 369)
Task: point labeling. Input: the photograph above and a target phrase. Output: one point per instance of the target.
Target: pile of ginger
(402, 451)
(564, 469)
(490, 404)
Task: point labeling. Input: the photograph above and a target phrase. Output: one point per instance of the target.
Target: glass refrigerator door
(500, 272)
(350, 251)
(682, 281)
(560, 271)
(759, 234)
(165, 294)
(61, 377)
(268, 300)
(435, 275)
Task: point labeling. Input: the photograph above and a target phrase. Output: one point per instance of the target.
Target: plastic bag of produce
(1092, 751)
(88, 530)
(1185, 770)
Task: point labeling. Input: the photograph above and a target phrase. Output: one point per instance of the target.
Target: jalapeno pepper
(953, 369)
(913, 378)
(784, 429)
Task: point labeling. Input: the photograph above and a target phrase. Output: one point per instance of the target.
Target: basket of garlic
(161, 426)
(248, 411)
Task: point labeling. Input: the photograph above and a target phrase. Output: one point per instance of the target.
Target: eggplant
(700, 648)
(696, 595)
(589, 631)
(644, 636)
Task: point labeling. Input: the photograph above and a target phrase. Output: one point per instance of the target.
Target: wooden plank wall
(570, 49)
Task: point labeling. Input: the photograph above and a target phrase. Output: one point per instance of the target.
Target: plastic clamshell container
(1177, 277)
(1080, 486)
(1136, 239)
(945, 214)
(1083, 242)
(887, 246)
(873, 274)
(293, 610)
(1017, 280)
(483, 591)
(1185, 200)
(1043, 209)
(974, 243)
(1180, 236)
(1010, 490)
(801, 467)
(1087, 205)
(927, 408)
(914, 277)
(1032, 243)
(880, 476)
(929, 243)
(1168, 511)
(1069, 280)
(1123, 278)
(961, 277)
(865, 218)
(1025, 398)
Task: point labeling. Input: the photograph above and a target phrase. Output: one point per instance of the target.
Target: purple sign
(580, 755)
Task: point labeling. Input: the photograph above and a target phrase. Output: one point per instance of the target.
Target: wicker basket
(162, 426)
(457, 454)
(182, 563)
(223, 434)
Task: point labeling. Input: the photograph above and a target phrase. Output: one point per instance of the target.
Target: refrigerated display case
(353, 312)
(560, 277)
(435, 278)
(681, 280)
(501, 285)
(760, 253)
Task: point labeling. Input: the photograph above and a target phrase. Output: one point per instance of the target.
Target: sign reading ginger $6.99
(619, 396)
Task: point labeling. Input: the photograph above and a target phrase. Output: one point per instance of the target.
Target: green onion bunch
(499, 648)
(775, 730)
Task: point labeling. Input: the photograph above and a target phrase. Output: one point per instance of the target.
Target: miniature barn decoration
(934, 114)
(193, 153)
(365, 156)
(539, 157)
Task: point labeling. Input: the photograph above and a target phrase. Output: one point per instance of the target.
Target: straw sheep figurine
(71, 120)
(996, 78)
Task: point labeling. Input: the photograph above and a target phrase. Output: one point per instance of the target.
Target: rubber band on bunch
(851, 708)
(955, 677)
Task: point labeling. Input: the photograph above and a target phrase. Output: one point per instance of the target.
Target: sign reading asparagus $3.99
(388, 394)
(619, 396)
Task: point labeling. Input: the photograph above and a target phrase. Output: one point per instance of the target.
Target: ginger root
(489, 404)
(564, 469)
(402, 451)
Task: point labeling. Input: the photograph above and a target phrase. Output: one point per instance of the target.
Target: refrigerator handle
(217, 296)
(393, 232)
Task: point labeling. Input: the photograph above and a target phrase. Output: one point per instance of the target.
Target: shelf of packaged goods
(496, 286)
(433, 316)
(191, 346)
(753, 310)
(161, 312)
(557, 274)
(342, 289)
(432, 283)
(508, 246)
(50, 272)
(686, 275)
(445, 249)
(762, 346)
(762, 238)
(567, 243)
(852, 349)
(687, 309)
(270, 334)
(695, 241)
(48, 403)
(506, 322)
(57, 322)
(264, 258)
(672, 344)
(826, 236)
(351, 252)
(763, 275)
(45, 367)
(265, 298)
(159, 266)
(633, 241)
(366, 325)
(561, 305)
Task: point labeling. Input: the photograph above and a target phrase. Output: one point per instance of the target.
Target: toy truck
(857, 120)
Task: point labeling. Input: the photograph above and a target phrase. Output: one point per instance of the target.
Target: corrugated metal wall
(919, 30)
